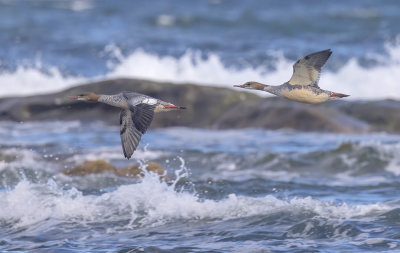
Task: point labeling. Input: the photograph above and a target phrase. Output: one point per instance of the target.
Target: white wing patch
(149, 101)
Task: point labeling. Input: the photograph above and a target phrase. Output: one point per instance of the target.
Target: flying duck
(136, 115)
(303, 85)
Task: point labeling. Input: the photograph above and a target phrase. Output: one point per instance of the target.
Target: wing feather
(134, 123)
(306, 71)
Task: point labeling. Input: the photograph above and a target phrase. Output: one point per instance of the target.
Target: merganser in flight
(303, 86)
(136, 114)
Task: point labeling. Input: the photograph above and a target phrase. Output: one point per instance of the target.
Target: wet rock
(136, 171)
(210, 107)
(344, 147)
(204, 104)
(101, 166)
(7, 158)
(278, 113)
(91, 167)
(383, 115)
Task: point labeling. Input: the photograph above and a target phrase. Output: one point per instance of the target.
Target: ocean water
(50, 45)
(248, 190)
(228, 191)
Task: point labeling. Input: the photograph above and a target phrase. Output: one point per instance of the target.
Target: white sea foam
(30, 80)
(190, 67)
(376, 82)
(379, 81)
(152, 202)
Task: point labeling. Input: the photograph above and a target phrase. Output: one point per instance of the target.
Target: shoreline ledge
(209, 107)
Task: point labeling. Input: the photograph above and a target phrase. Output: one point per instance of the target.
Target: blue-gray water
(74, 34)
(50, 45)
(230, 191)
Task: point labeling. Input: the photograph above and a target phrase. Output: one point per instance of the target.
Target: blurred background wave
(329, 184)
(51, 45)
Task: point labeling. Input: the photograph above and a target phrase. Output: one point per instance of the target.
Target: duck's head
(86, 96)
(251, 86)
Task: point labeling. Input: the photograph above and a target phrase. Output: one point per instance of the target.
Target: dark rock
(136, 171)
(204, 104)
(91, 167)
(383, 115)
(7, 158)
(277, 113)
(210, 107)
(101, 166)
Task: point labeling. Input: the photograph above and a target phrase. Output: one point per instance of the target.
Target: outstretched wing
(306, 71)
(134, 123)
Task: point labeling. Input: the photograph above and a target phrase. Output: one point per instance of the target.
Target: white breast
(305, 96)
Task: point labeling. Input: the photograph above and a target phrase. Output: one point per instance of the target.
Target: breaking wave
(374, 82)
(151, 203)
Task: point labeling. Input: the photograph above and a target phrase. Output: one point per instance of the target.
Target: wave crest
(152, 202)
(376, 82)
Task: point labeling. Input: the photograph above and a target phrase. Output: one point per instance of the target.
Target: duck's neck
(113, 100)
(273, 89)
(265, 87)
(258, 86)
(94, 97)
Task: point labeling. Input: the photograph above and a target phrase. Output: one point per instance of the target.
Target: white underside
(305, 96)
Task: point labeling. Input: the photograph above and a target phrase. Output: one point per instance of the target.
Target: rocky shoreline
(210, 107)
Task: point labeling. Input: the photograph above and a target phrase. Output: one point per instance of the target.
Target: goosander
(303, 85)
(136, 114)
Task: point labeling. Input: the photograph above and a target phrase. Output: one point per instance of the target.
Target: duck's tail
(338, 95)
(174, 107)
(167, 108)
